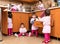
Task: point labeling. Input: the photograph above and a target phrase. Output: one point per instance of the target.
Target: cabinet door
(16, 21)
(56, 28)
(4, 22)
(18, 18)
(25, 19)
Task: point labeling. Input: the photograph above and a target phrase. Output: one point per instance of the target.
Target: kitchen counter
(23, 17)
(48, 8)
(55, 11)
(4, 6)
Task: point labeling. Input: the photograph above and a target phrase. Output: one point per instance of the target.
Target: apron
(46, 29)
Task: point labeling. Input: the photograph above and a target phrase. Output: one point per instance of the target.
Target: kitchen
(29, 7)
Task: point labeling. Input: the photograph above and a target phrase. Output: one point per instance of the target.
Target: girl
(46, 25)
(41, 6)
(14, 7)
(22, 30)
(33, 28)
(10, 24)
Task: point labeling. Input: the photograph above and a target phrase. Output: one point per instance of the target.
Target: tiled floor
(25, 40)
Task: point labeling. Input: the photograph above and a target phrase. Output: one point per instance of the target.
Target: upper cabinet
(28, 1)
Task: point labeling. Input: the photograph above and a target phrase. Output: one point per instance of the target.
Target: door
(0, 27)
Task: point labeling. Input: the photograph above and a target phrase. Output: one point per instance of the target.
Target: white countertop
(15, 11)
(3, 6)
(49, 8)
(29, 12)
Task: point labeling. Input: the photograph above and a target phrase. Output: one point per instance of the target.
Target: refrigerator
(58, 2)
(0, 25)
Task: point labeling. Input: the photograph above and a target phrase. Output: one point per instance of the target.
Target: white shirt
(46, 24)
(32, 20)
(22, 30)
(9, 23)
(45, 20)
(33, 27)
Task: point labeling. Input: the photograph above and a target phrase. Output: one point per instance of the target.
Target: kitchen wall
(4, 2)
(49, 2)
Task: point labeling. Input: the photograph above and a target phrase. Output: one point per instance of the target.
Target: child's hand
(37, 19)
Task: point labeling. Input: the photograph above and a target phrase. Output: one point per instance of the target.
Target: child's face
(20, 4)
(34, 16)
(22, 26)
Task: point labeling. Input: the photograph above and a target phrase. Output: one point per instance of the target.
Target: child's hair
(47, 12)
(22, 24)
(40, 0)
(9, 15)
(21, 3)
(34, 14)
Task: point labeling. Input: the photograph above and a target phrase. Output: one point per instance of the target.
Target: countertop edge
(48, 8)
(35, 10)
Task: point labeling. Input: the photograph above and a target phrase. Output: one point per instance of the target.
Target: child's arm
(32, 21)
(37, 19)
(43, 14)
(25, 30)
(40, 19)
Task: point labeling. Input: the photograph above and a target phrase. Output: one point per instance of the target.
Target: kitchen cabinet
(18, 18)
(55, 31)
(29, 1)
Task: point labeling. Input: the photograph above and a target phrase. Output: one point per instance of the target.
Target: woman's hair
(47, 12)
(9, 15)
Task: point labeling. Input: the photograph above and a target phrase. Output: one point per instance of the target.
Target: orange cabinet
(56, 17)
(55, 31)
(4, 22)
(18, 18)
(22, 17)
